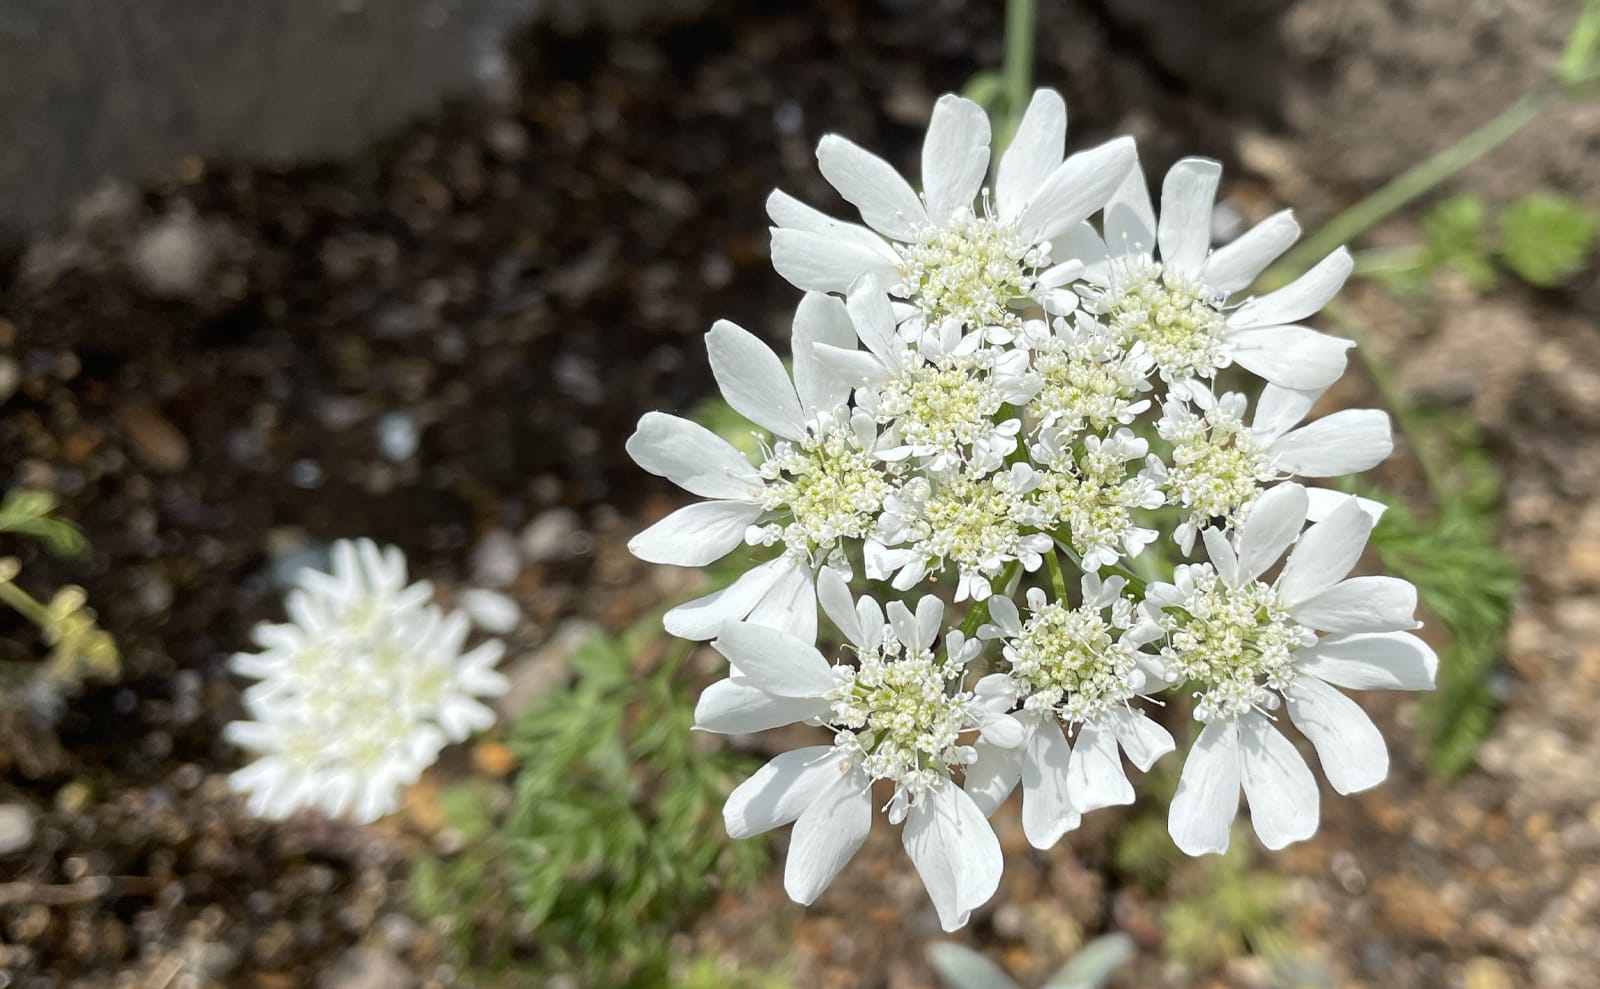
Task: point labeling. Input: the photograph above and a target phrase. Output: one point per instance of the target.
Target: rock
(16, 828)
(154, 440)
(172, 258)
(495, 560)
(397, 435)
(368, 968)
(1484, 972)
(490, 610)
(553, 535)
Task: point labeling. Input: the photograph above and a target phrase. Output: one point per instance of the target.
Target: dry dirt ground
(213, 370)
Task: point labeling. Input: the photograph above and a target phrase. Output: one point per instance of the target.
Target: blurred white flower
(359, 691)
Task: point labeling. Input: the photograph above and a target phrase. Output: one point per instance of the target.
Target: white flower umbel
(979, 524)
(359, 692)
(947, 254)
(1244, 645)
(898, 714)
(939, 399)
(1219, 465)
(1086, 380)
(1078, 668)
(1088, 491)
(820, 482)
(1157, 283)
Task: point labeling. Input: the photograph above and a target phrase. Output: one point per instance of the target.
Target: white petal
(1095, 771)
(696, 534)
(779, 791)
(1130, 221)
(930, 618)
(1142, 739)
(787, 211)
(955, 851)
(1278, 785)
(1324, 501)
(1326, 553)
(955, 155)
(1184, 230)
(1207, 800)
(753, 381)
(1273, 524)
(790, 605)
(815, 262)
(1354, 756)
(1345, 442)
(1291, 356)
(736, 706)
(1080, 186)
(886, 201)
(834, 595)
(826, 836)
(1298, 299)
(873, 318)
(992, 777)
(692, 457)
(1378, 661)
(1035, 151)
(1361, 604)
(1232, 267)
(820, 319)
(1047, 810)
(1081, 243)
(858, 368)
(703, 617)
(1278, 409)
(1221, 555)
(775, 661)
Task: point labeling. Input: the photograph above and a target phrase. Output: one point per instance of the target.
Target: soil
(443, 341)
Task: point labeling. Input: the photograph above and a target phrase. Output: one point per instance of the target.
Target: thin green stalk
(1017, 74)
(24, 604)
(1411, 184)
(1058, 583)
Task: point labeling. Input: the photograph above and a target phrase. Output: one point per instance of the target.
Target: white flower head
(819, 483)
(898, 714)
(1086, 379)
(1157, 283)
(944, 252)
(359, 692)
(1248, 645)
(1088, 491)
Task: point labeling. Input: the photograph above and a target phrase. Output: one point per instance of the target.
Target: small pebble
(16, 828)
(490, 610)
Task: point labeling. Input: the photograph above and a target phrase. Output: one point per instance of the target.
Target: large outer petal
(1233, 267)
(1354, 756)
(1184, 229)
(1208, 791)
(1047, 810)
(955, 155)
(1298, 299)
(1345, 442)
(1361, 604)
(753, 381)
(1284, 804)
(1291, 356)
(817, 262)
(955, 851)
(886, 201)
(703, 617)
(1273, 524)
(692, 457)
(1130, 220)
(820, 319)
(697, 534)
(779, 791)
(827, 835)
(992, 777)
(736, 706)
(1035, 151)
(1374, 661)
(790, 605)
(1326, 553)
(775, 661)
(1077, 189)
(1095, 771)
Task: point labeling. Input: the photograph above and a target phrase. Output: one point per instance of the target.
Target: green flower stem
(1017, 75)
(1058, 583)
(22, 602)
(1409, 185)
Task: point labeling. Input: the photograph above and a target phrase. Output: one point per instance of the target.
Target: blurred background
(277, 273)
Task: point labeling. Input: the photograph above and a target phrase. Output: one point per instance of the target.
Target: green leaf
(1454, 228)
(1545, 238)
(987, 89)
(29, 513)
(1580, 60)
